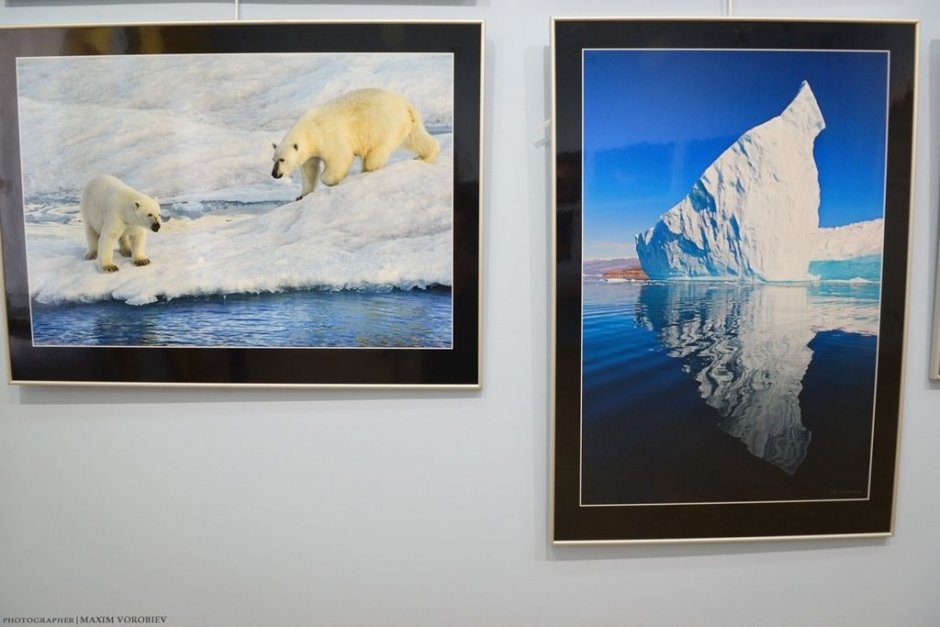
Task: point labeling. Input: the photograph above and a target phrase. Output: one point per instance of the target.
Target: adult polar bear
(114, 212)
(368, 123)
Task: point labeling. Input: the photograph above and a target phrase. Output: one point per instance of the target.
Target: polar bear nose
(275, 173)
(155, 227)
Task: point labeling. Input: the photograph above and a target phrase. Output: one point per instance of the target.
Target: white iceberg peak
(804, 111)
(754, 212)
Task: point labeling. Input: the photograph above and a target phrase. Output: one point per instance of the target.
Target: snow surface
(195, 131)
(372, 231)
(754, 213)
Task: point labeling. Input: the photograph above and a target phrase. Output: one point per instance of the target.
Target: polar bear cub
(115, 213)
(368, 123)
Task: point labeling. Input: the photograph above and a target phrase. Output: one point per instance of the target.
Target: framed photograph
(243, 203)
(732, 209)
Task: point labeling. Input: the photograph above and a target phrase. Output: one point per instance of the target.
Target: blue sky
(654, 120)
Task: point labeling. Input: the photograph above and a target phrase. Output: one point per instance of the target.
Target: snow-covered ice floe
(195, 131)
(387, 229)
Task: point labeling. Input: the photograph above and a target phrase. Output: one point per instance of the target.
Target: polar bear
(368, 123)
(114, 212)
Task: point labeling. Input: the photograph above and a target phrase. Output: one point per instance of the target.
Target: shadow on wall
(933, 274)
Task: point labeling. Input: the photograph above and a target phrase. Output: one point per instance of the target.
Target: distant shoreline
(630, 274)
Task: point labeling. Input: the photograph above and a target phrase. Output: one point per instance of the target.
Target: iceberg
(859, 239)
(857, 269)
(754, 213)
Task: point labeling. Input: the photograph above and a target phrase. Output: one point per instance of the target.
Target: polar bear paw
(141, 262)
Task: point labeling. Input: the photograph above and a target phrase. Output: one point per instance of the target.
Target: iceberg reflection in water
(785, 369)
(747, 346)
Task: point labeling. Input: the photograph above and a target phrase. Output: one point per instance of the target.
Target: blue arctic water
(313, 318)
(714, 392)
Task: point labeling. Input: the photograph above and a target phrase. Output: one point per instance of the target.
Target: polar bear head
(144, 211)
(287, 156)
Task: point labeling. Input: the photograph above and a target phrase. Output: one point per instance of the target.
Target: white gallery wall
(287, 507)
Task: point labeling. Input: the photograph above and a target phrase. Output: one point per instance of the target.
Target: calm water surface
(704, 391)
(416, 318)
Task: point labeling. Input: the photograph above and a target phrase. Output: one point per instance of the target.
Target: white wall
(376, 508)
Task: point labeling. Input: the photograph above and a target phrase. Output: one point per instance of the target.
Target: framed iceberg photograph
(934, 367)
(243, 203)
(934, 372)
(732, 204)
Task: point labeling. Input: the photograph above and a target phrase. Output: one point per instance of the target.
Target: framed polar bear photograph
(243, 203)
